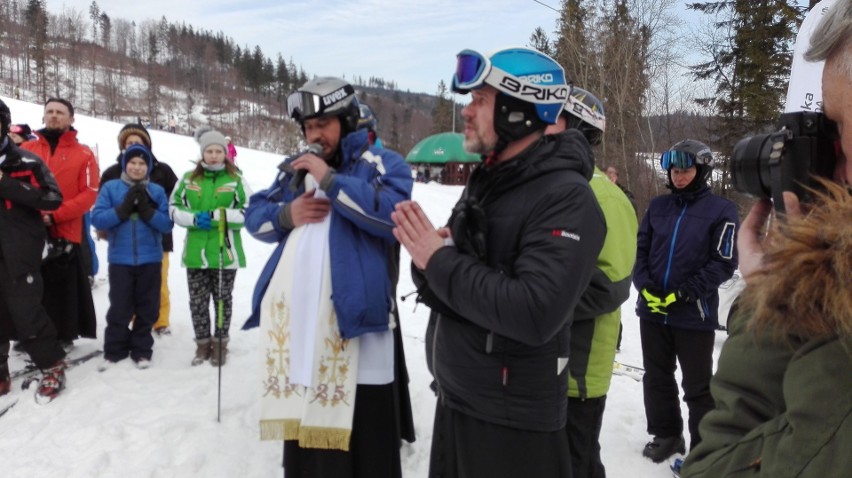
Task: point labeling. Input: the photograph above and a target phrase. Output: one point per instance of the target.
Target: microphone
(299, 174)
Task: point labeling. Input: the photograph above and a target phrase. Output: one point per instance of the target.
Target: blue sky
(412, 42)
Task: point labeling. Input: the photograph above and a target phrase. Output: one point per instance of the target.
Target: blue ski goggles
(677, 159)
(471, 70)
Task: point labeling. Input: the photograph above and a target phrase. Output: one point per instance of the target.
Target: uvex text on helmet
(323, 97)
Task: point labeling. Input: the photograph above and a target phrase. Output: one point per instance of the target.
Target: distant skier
(232, 150)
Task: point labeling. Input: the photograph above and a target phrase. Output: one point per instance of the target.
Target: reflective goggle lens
(301, 104)
(470, 66)
(16, 129)
(677, 159)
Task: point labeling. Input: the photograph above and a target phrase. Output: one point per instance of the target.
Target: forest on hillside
(157, 70)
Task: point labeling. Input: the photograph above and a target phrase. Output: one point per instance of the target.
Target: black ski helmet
(687, 153)
(5, 119)
(585, 112)
(367, 119)
(323, 97)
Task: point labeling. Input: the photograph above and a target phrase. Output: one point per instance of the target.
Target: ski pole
(220, 312)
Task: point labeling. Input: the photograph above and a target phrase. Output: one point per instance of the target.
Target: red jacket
(76, 171)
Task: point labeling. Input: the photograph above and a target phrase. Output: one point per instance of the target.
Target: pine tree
(442, 114)
(572, 49)
(36, 17)
(749, 64)
(539, 41)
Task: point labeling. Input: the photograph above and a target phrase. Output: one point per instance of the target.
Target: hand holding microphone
(304, 164)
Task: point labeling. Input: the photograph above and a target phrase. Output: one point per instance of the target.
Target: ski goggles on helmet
(471, 70)
(677, 159)
(302, 105)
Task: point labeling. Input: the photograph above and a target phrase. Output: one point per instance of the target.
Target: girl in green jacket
(211, 194)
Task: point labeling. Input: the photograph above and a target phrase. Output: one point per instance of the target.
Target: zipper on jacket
(671, 248)
(435, 359)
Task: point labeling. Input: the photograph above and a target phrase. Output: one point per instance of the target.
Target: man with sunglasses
(344, 405)
(503, 277)
(686, 250)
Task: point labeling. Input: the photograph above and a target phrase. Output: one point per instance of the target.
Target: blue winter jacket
(133, 241)
(686, 241)
(364, 190)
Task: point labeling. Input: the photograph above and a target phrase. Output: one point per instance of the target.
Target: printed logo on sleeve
(567, 234)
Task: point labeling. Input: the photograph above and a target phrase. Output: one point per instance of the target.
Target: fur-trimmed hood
(805, 289)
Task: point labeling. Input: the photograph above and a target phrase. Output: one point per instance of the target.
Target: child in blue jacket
(135, 214)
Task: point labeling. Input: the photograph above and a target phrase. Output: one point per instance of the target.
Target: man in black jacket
(504, 275)
(27, 187)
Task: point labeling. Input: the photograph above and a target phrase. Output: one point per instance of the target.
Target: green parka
(783, 388)
(594, 332)
(211, 192)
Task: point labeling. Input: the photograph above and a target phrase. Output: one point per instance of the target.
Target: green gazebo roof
(441, 148)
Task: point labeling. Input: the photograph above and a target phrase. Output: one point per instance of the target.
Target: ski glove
(684, 295)
(202, 220)
(146, 209)
(658, 301)
(128, 205)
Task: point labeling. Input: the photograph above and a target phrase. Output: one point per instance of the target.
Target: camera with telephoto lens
(804, 147)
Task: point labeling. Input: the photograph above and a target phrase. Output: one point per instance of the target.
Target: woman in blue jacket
(685, 250)
(135, 214)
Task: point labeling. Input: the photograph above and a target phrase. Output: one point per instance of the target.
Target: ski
(29, 375)
(30, 368)
(8, 406)
(631, 371)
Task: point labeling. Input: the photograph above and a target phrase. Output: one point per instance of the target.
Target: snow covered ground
(162, 422)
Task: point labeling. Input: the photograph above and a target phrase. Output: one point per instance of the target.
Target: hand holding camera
(768, 165)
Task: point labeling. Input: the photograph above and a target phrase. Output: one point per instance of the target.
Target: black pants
(585, 418)
(68, 297)
(373, 448)
(662, 347)
(204, 285)
(133, 291)
(22, 317)
(466, 447)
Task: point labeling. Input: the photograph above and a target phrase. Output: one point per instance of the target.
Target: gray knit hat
(207, 136)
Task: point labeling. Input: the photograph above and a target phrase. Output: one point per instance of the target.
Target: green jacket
(783, 393)
(594, 332)
(782, 410)
(211, 192)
